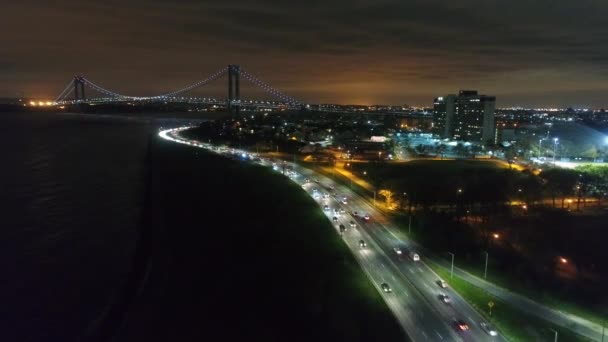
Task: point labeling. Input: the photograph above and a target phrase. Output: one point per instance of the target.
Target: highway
(415, 297)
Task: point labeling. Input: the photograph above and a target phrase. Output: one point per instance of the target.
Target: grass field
(513, 324)
(248, 254)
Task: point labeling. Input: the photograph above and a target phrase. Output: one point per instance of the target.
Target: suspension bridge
(74, 93)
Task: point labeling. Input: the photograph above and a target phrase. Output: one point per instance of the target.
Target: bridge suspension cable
(105, 91)
(65, 92)
(251, 78)
(195, 85)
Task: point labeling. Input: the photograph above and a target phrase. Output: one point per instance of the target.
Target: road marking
(438, 334)
(423, 334)
(420, 269)
(411, 271)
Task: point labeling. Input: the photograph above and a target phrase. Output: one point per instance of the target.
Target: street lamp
(555, 140)
(540, 147)
(496, 235)
(452, 269)
(555, 335)
(485, 271)
(374, 198)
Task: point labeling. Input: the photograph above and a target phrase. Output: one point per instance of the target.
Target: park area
(544, 234)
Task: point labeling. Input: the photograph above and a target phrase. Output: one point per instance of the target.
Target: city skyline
(367, 53)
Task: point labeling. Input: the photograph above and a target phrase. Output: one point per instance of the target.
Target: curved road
(415, 299)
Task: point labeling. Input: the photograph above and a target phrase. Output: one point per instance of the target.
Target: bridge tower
(78, 88)
(234, 96)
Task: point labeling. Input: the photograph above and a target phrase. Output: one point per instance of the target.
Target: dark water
(70, 199)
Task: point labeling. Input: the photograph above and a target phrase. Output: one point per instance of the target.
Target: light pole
(485, 271)
(555, 140)
(540, 147)
(374, 198)
(452, 269)
(555, 335)
(409, 226)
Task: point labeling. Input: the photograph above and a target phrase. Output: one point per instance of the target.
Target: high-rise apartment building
(467, 116)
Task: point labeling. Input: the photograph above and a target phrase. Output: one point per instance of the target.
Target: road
(415, 297)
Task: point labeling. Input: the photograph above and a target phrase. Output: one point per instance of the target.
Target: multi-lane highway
(415, 295)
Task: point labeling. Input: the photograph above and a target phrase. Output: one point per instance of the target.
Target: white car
(442, 283)
(488, 329)
(414, 256)
(398, 250)
(445, 298)
(326, 207)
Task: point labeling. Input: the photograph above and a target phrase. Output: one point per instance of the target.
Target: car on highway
(326, 207)
(398, 250)
(362, 244)
(355, 214)
(316, 180)
(488, 329)
(366, 217)
(316, 196)
(442, 283)
(353, 224)
(336, 212)
(342, 228)
(335, 219)
(342, 211)
(315, 190)
(445, 298)
(344, 200)
(325, 195)
(462, 325)
(414, 256)
(386, 288)
(307, 180)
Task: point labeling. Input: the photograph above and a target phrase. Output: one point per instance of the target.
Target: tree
(388, 196)
(460, 150)
(420, 149)
(441, 148)
(560, 182)
(475, 149)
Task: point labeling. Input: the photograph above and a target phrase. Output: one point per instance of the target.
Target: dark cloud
(380, 51)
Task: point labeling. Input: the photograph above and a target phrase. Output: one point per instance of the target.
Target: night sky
(526, 52)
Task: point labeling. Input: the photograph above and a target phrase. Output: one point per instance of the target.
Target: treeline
(460, 186)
